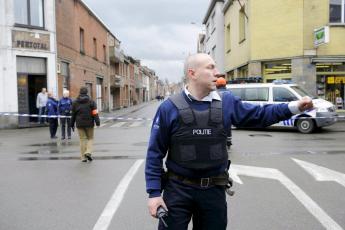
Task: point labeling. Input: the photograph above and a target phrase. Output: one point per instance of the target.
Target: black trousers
(63, 122)
(208, 207)
(53, 124)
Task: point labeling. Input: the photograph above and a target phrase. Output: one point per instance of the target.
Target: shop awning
(328, 60)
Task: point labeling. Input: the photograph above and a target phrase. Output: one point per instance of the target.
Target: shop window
(243, 71)
(277, 68)
(29, 13)
(336, 11)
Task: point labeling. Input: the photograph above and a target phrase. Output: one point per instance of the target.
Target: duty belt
(204, 182)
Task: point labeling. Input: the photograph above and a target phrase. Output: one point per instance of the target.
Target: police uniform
(65, 108)
(193, 133)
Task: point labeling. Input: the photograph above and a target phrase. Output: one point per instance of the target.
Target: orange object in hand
(94, 112)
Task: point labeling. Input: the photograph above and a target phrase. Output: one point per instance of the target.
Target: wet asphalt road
(43, 185)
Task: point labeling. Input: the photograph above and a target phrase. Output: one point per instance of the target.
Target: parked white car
(323, 114)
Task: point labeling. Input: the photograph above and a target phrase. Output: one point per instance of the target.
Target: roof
(210, 8)
(227, 5)
(97, 18)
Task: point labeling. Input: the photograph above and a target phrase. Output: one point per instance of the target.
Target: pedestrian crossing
(126, 124)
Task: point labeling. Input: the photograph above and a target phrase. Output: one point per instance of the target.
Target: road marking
(118, 124)
(234, 175)
(136, 124)
(103, 124)
(321, 173)
(104, 220)
(300, 195)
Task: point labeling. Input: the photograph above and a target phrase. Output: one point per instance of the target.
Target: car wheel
(306, 125)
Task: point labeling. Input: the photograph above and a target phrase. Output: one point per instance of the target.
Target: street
(283, 179)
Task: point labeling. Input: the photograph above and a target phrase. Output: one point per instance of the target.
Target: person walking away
(52, 110)
(190, 129)
(65, 108)
(41, 102)
(85, 116)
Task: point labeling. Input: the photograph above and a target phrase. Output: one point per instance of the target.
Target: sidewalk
(125, 111)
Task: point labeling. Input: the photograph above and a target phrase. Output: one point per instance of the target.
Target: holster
(164, 179)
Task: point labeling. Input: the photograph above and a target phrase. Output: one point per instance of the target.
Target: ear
(191, 74)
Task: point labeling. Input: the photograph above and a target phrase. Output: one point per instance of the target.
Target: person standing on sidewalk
(85, 115)
(65, 108)
(52, 110)
(41, 102)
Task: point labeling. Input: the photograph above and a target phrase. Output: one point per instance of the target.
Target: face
(205, 73)
(44, 90)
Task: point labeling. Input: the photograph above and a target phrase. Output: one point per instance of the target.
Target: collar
(213, 95)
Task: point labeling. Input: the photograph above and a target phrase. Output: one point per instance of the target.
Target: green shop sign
(321, 36)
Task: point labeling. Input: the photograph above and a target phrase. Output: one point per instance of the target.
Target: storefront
(330, 81)
(31, 78)
(277, 70)
(28, 58)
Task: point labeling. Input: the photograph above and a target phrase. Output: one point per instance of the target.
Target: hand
(154, 203)
(305, 103)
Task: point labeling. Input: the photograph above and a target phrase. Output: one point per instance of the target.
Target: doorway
(29, 86)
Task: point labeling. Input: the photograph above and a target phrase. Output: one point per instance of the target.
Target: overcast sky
(158, 32)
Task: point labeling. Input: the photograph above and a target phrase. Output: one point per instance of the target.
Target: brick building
(83, 51)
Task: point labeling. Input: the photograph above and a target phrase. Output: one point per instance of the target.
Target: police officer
(221, 88)
(52, 112)
(191, 128)
(65, 108)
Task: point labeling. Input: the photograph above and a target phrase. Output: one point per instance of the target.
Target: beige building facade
(274, 40)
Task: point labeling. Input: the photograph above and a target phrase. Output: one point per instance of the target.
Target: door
(99, 93)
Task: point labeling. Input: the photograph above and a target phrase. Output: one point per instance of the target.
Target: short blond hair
(65, 93)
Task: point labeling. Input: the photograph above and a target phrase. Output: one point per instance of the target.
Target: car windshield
(301, 91)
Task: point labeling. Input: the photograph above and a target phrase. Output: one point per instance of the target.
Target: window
(29, 13)
(213, 25)
(237, 92)
(65, 74)
(82, 41)
(336, 11)
(281, 94)
(213, 52)
(95, 48)
(207, 30)
(256, 94)
(104, 54)
(228, 39)
(89, 88)
(279, 67)
(242, 26)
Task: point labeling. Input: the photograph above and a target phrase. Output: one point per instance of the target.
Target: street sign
(321, 36)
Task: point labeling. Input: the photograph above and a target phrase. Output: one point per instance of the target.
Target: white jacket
(42, 99)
